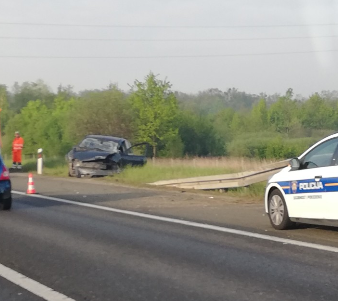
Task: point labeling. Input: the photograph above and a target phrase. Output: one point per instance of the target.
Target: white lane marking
(188, 223)
(31, 285)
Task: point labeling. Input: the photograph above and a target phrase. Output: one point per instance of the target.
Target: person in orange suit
(17, 147)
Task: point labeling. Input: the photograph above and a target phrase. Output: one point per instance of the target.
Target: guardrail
(234, 180)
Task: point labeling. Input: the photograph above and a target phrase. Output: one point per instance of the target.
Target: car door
(129, 158)
(313, 188)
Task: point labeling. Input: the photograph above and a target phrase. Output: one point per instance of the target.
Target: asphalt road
(91, 254)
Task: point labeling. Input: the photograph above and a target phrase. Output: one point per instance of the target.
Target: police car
(307, 190)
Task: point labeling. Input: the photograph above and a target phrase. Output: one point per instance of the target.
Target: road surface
(86, 253)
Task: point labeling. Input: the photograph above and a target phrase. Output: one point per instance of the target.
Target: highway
(73, 252)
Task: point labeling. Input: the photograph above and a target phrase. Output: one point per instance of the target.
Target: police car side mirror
(295, 164)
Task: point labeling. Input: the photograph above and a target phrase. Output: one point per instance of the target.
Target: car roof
(110, 138)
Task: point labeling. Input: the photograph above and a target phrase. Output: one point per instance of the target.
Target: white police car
(307, 190)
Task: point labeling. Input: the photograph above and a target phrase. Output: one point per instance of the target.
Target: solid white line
(31, 285)
(188, 223)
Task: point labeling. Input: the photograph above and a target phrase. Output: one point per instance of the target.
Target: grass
(152, 173)
(256, 190)
(231, 164)
(166, 169)
(52, 166)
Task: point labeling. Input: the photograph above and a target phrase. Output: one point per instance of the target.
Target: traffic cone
(30, 189)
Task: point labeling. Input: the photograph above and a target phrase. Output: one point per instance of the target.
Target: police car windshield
(322, 155)
(99, 144)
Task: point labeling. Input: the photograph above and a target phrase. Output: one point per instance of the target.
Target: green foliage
(212, 101)
(155, 108)
(26, 92)
(222, 123)
(198, 136)
(101, 113)
(268, 145)
(211, 123)
(256, 190)
(5, 113)
(40, 127)
(151, 173)
(259, 116)
(29, 123)
(237, 124)
(173, 148)
(54, 166)
(318, 113)
(283, 115)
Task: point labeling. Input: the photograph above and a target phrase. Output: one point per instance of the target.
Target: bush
(268, 146)
(173, 148)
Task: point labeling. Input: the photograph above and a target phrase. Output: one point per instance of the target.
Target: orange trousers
(17, 156)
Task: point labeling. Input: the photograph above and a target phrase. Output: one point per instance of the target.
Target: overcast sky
(222, 45)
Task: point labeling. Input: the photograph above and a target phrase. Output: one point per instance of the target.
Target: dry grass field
(167, 169)
(232, 164)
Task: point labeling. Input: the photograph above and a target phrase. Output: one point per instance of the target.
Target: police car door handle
(318, 178)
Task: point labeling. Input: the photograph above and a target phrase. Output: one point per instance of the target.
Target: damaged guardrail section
(234, 180)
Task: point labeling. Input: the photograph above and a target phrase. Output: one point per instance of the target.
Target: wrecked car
(98, 155)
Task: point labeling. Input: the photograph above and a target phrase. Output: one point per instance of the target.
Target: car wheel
(77, 173)
(70, 171)
(116, 168)
(7, 204)
(73, 170)
(278, 211)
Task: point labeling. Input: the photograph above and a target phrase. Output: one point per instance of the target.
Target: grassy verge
(152, 173)
(52, 166)
(166, 169)
(255, 191)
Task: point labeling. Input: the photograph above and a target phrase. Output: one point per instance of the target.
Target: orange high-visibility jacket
(17, 144)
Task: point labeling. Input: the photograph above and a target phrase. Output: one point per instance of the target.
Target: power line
(167, 56)
(166, 26)
(164, 40)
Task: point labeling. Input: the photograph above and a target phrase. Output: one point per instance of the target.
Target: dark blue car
(98, 155)
(5, 187)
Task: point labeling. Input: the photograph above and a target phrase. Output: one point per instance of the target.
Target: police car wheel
(278, 212)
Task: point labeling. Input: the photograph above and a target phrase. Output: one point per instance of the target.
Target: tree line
(210, 123)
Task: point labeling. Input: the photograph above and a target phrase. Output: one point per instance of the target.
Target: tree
(199, 136)
(259, 116)
(213, 100)
(31, 124)
(26, 92)
(317, 113)
(222, 123)
(105, 113)
(283, 115)
(238, 123)
(4, 110)
(155, 108)
(65, 92)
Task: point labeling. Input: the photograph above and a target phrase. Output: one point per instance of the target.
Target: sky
(256, 46)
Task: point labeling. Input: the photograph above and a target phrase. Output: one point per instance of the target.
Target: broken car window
(99, 144)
